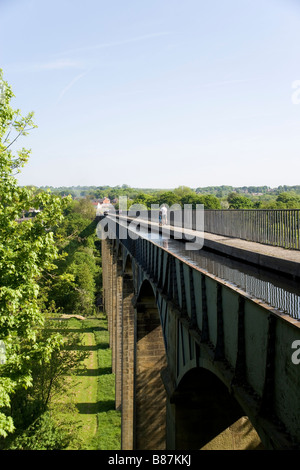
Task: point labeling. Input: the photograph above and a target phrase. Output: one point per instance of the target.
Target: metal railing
(271, 227)
(276, 227)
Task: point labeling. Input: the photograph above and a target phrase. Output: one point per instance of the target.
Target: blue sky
(156, 93)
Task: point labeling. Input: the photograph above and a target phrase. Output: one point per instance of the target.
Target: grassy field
(93, 391)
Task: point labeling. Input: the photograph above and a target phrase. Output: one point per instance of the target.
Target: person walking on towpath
(164, 213)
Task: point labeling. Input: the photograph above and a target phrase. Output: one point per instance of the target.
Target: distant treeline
(213, 197)
(221, 191)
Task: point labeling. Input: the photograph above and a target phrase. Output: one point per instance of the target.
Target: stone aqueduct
(198, 364)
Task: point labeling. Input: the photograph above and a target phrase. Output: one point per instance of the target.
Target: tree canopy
(27, 251)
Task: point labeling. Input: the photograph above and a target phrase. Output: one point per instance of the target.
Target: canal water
(274, 289)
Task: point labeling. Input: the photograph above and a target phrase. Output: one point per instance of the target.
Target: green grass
(93, 391)
(108, 435)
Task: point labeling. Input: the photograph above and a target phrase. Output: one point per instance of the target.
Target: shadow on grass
(92, 348)
(87, 348)
(99, 407)
(95, 372)
(75, 330)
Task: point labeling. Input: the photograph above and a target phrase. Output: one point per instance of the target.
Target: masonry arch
(150, 360)
(207, 417)
(118, 250)
(127, 265)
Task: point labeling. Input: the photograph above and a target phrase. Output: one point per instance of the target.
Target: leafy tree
(182, 195)
(182, 191)
(42, 434)
(168, 197)
(74, 291)
(27, 251)
(145, 200)
(209, 201)
(76, 282)
(288, 200)
(237, 201)
(84, 208)
(35, 426)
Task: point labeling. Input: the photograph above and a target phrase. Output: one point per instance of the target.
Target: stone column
(118, 334)
(127, 386)
(150, 395)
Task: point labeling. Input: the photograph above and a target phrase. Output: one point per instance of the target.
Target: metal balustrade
(271, 227)
(276, 227)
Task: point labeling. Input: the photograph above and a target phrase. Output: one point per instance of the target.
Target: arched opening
(150, 360)
(207, 417)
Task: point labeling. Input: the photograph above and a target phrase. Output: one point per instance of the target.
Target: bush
(43, 434)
